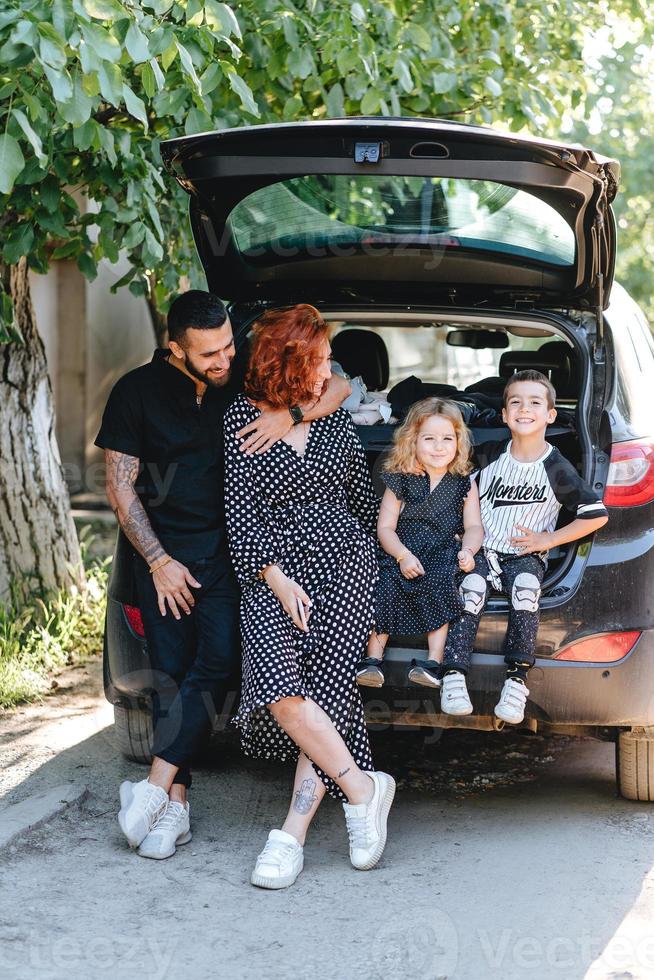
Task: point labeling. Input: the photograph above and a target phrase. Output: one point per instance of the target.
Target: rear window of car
(333, 212)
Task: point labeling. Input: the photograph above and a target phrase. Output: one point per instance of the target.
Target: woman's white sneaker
(280, 862)
(171, 830)
(511, 706)
(455, 699)
(141, 806)
(366, 823)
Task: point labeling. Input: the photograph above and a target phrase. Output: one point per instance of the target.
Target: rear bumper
(616, 695)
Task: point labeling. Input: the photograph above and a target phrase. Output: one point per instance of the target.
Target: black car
(453, 255)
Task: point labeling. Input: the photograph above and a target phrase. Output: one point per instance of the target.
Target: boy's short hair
(530, 375)
(196, 308)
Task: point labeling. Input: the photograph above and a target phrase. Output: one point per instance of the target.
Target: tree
(88, 88)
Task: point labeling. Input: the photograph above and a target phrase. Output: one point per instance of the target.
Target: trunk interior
(402, 356)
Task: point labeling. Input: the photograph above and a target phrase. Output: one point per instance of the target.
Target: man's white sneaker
(455, 699)
(141, 806)
(511, 706)
(172, 829)
(366, 823)
(280, 862)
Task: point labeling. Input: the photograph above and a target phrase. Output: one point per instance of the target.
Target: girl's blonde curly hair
(402, 457)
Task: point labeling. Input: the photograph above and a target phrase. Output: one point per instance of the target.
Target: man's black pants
(195, 659)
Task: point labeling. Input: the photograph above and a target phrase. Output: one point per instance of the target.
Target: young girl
(428, 501)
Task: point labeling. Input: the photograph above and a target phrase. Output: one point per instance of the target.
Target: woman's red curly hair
(285, 354)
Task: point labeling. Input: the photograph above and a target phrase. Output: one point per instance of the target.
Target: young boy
(523, 483)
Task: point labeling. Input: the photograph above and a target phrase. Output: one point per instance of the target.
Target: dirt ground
(509, 856)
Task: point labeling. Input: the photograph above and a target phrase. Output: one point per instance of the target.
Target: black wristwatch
(296, 414)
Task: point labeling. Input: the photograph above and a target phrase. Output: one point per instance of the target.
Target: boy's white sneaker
(455, 699)
(141, 806)
(172, 829)
(280, 862)
(511, 706)
(366, 823)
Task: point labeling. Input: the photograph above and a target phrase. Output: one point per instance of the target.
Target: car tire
(635, 766)
(133, 727)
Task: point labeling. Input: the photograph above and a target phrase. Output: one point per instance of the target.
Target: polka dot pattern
(427, 527)
(315, 515)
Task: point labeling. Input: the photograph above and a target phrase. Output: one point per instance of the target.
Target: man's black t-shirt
(152, 413)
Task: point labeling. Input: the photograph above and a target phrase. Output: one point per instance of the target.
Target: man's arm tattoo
(122, 471)
(305, 796)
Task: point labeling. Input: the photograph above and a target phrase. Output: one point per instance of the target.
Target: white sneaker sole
(135, 834)
(184, 839)
(274, 883)
(370, 680)
(423, 679)
(452, 709)
(387, 802)
(507, 717)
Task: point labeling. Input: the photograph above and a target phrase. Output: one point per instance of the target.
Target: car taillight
(601, 649)
(134, 619)
(631, 474)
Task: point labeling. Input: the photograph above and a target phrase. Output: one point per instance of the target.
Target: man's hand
(531, 541)
(411, 567)
(288, 592)
(172, 583)
(271, 426)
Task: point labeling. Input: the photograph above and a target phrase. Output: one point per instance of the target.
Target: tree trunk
(37, 533)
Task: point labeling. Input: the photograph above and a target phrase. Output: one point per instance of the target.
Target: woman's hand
(290, 594)
(466, 560)
(410, 566)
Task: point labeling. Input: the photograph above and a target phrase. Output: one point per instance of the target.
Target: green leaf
(87, 266)
(443, 81)
(159, 79)
(51, 47)
(335, 101)
(290, 30)
(90, 84)
(403, 74)
(419, 36)
(107, 143)
(78, 108)
(210, 78)
(300, 63)
(60, 83)
(358, 13)
(222, 18)
(65, 251)
(134, 236)
(492, 86)
(139, 287)
(32, 136)
(104, 44)
(169, 55)
(147, 80)
(370, 102)
(187, 64)
(152, 250)
(62, 18)
(347, 59)
(12, 162)
(244, 92)
(194, 13)
(104, 9)
(88, 57)
(135, 106)
(137, 44)
(85, 136)
(110, 80)
(18, 243)
(198, 121)
(49, 192)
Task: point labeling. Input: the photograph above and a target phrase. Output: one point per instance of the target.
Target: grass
(40, 633)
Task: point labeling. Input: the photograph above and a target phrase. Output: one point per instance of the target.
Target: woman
(300, 520)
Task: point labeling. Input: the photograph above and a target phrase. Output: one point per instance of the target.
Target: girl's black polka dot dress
(426, 526)
(315, 516)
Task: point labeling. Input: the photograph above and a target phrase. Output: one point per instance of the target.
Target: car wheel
(635, 765)
(133, 727)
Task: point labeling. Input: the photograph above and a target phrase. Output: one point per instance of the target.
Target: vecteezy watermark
(506, 948)
(96, 956)
(416, 944)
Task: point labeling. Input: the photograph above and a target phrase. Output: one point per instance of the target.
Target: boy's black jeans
(195, 660)
(521, 577)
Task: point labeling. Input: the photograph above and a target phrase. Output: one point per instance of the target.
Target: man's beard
(207, 379)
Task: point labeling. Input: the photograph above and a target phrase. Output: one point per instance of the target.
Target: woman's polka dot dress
(426, 526)
(315, 516)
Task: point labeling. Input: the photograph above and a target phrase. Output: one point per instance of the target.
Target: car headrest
(560, 351)
(364, 353)
(555, 365)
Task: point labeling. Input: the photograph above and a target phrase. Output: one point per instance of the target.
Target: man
(162, 434)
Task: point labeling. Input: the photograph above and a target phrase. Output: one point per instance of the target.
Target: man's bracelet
(160, 564)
